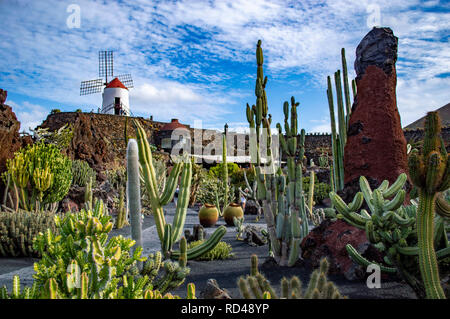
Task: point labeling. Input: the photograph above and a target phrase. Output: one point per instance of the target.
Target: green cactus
(225, 181)
(133, 192)
(169, 234)
(250, 194)
(430, 173)
(339, 135)
(311, 193)
(19, 228)
(257, 286)
(121, 219)
(239, 224)
(391, 227)
(17, 292)
(40, 176)
(82, 173)
(282, 196)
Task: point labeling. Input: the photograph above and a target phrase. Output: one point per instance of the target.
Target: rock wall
(99, 138)
(10, 139)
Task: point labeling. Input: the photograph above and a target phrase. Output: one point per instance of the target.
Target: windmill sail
(91, 86)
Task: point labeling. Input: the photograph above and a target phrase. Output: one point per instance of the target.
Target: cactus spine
(339, 136)
(170, 233)
(430, 173)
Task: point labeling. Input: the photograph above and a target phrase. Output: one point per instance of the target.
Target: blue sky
(194, 60)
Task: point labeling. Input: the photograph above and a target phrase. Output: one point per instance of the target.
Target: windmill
(115, 92)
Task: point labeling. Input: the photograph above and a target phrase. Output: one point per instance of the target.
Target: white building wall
(109, 95)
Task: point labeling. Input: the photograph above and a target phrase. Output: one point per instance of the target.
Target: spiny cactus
(19, 228)
(339, 137)
(311, 194)
(17, 292)
(170, 233)
(239, 224)
(82, 173)
(391, 227)
(133, 192)
(121, 219)
(282, 197)
(257, 286)
(430, 173)
(225, 183)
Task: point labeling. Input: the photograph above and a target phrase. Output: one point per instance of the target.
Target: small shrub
(61, 138)
(321, 190)
(54, 111)
(220, 252)
(209, 188)
(41, 173)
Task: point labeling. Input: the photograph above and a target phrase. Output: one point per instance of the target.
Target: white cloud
(29, 115)
(169, 99)
(170, 48)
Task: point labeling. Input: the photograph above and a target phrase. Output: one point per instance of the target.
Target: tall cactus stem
(133, 193)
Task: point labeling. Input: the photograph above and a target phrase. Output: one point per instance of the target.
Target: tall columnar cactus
(225, 174)
(339, 134)
(391, 227)
(133, 192)
(282, 198)
(311, 193)
(430, 173)
(170, 233)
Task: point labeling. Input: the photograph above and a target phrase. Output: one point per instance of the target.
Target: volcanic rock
(213, 291)
(329, 240)
(10, 139)
(376, 146)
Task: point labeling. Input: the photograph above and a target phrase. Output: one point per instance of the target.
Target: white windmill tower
(115, 93)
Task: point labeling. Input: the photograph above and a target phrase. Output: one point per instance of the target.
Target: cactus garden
(115, 204)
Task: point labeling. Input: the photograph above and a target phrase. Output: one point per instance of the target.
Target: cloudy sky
(195, 60)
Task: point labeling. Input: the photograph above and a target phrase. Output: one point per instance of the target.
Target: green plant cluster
(79, 261)
(392, 228)
(38, 174)
(220, 252)
(210, 187)
(18, 229)
(140, 162)
(321, 190)
(256, 286)
(82, 173)
(61, 138)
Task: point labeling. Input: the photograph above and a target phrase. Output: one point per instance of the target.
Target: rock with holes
(376, 146)
(329, 240)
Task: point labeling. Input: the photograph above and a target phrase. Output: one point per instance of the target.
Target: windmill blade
(105, 65)
(91, 86)
(126, 80)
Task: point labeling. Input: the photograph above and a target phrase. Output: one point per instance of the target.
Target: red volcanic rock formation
(376, 146)
(329, 240)
(10, 140)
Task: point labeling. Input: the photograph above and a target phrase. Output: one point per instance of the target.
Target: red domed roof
(116, 84)
(174, 124)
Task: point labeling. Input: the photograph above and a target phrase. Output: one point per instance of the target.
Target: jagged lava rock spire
(376, 146)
